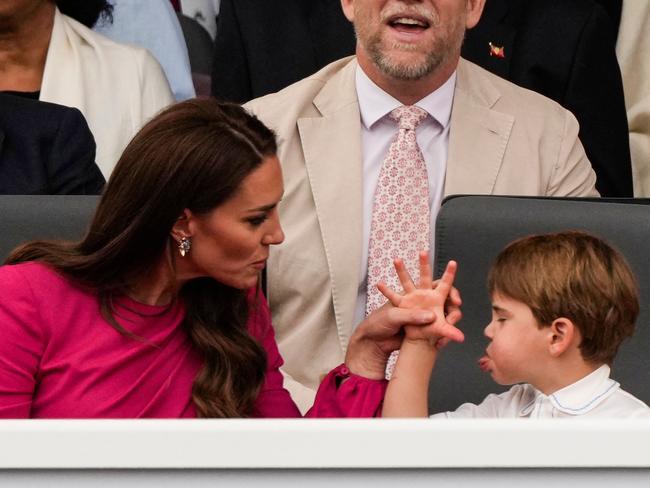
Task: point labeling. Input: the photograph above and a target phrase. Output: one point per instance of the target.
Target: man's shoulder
(298, 98)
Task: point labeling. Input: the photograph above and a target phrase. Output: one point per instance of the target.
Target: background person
(50, 56)
(45, 149)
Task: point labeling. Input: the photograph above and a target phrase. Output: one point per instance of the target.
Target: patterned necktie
(400, 215)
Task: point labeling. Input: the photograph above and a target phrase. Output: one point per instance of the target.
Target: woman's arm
(349, 390)
(21, 344)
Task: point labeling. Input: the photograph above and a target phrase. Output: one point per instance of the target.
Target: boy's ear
(181, 227)
(562, 334)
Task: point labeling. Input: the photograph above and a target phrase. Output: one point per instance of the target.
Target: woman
(48, 55)
(157, 311)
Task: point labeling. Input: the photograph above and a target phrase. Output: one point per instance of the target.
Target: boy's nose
(487, 332)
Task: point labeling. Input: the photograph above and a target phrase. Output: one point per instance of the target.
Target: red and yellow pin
(497, 51)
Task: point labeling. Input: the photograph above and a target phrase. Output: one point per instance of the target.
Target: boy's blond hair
(573, 275)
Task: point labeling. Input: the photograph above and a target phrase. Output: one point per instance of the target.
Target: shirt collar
(375, 103)
(580, 397)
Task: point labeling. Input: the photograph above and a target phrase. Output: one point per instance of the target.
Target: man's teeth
(407, 21)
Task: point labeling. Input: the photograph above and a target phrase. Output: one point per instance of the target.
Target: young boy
(561, 306)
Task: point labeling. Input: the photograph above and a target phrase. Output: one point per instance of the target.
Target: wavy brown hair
(194, 155)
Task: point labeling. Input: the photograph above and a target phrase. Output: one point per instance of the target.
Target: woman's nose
(275, 234)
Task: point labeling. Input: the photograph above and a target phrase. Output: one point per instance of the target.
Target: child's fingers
(404, 276)
(393, 297)
(426, 274)
(445, 284)
(442, 342)
(454, 316)
(452, 333)
(454, 297)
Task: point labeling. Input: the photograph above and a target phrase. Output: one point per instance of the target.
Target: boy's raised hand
(427, 297)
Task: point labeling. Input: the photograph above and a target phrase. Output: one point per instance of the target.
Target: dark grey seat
(473, 229)
(28, 217)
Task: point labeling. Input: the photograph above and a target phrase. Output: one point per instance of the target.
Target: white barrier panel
(279, 452)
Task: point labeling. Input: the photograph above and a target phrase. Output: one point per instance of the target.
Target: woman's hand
(379, 335)
(428, 296)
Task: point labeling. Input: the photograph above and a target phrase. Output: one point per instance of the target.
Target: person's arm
(72, 169)
(21, 346)
(573, 175)
(273, 400)
(155, 92)
(407, 393)
(342, 393)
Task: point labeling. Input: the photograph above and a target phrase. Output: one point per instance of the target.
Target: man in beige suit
(484, 135)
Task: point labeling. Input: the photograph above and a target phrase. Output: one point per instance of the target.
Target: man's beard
(400, 70)
(441, 50)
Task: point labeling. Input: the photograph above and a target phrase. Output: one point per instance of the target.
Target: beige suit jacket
(503, 140)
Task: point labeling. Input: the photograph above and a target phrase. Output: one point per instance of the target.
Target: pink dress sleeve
(341, 393)
(21, 344)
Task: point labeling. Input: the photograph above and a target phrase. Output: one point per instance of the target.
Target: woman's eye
(257, 221)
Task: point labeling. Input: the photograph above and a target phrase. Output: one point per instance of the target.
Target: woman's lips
(259, 264)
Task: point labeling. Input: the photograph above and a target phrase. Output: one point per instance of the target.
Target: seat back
(27, 217)
(473, 229)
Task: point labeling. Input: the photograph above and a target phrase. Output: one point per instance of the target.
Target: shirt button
(344, 370)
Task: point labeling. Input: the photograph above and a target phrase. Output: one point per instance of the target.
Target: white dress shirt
(595, 395)
(378, 131)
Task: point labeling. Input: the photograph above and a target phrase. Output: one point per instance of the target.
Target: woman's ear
(562, 335)
(181, 227)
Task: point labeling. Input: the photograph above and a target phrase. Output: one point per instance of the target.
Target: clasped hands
(426, 311)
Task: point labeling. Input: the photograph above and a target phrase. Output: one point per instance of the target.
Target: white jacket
(117, 87)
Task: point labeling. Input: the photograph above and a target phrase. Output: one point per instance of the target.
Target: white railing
(314, 448)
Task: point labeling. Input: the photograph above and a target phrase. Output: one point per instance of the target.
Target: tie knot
(408, 116)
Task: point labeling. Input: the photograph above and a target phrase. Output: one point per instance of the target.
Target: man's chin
(404, 64)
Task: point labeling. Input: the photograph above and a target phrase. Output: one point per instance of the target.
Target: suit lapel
(332, 148)
(478, 136)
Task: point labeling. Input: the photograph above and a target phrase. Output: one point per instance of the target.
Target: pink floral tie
(401, 214)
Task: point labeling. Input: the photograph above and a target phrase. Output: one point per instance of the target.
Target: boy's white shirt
(595, 395)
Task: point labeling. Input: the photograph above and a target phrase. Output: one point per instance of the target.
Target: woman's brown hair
(193, 155)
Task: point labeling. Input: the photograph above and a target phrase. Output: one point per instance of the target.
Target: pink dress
(59, 358)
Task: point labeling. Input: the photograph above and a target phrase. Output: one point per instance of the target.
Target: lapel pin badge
(497, 51)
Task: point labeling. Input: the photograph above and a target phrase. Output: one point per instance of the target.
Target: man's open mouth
(409, 23)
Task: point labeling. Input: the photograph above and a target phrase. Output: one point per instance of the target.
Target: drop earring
(184, 246)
